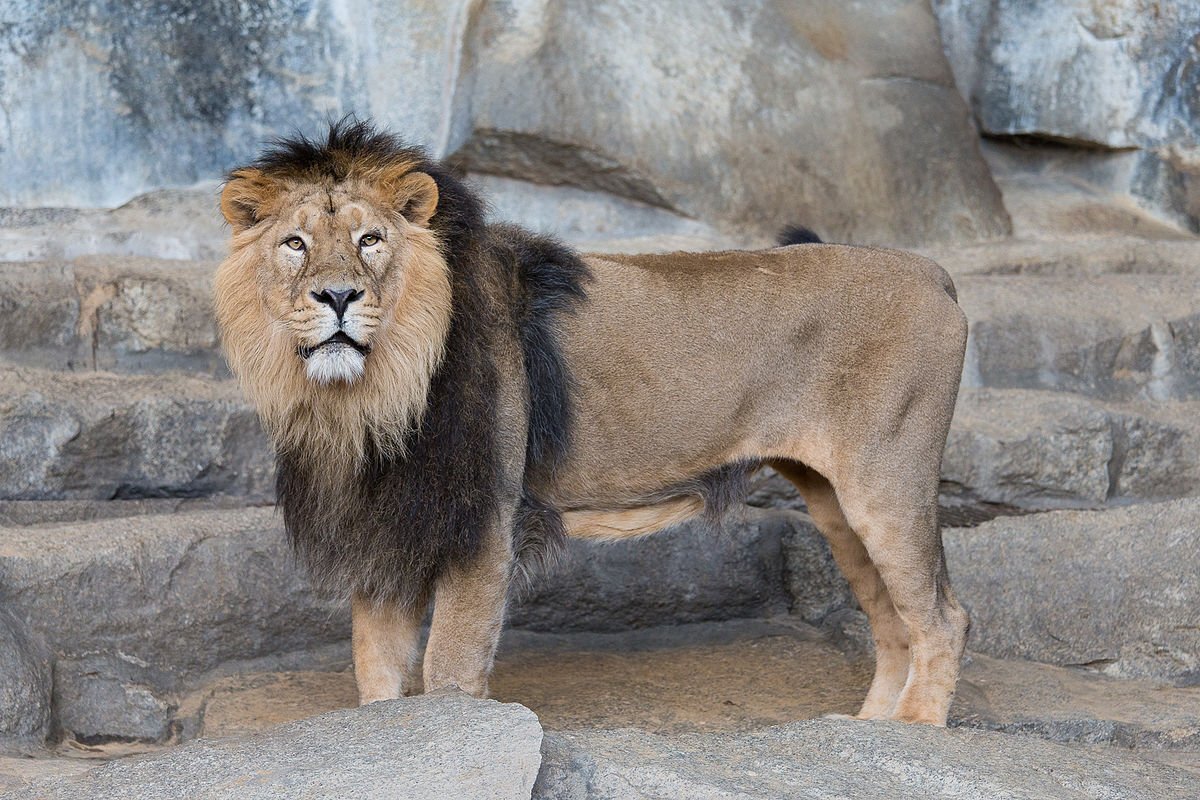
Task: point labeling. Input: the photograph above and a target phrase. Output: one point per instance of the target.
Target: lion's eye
(369, 240)
(294, 243)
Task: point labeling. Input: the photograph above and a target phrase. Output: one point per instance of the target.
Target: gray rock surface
(1111, 336)
(1042, 450)
(110, 313)
(102, 436)
(1118, 77)
(839, 759)
(165, 96)
(1113, 591)
(879, 147)
(434, 746)
(25, 684)
(689, 574)
(135, 609)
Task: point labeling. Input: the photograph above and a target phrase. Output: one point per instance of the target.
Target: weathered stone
(80, 436)
(1044, 450)
(1109, 590)
(164, 96)
(878, 144)
(741, 675)
(25, 683)
(1115, 75)
(125, 314)
(838, 759)
(1112, 336)
(136, 609)
(600, 222)
(434, 746)
(688, 574)
(168, 224)
(1073, 705)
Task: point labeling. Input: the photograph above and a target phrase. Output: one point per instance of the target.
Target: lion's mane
(387, 528)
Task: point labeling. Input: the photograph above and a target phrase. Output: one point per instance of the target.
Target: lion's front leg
(468, 613)
(385, 640)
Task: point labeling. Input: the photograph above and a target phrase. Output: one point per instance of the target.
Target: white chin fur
(333, 363)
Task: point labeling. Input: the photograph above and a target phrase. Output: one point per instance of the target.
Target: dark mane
(405, 520)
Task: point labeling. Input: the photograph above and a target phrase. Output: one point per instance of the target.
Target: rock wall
(743, 115)
(1117, 78)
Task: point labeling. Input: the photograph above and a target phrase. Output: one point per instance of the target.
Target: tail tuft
(797, 234)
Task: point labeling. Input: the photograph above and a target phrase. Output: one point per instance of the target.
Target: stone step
(70, 436)
(1112, 336)
(108, 313)
(1110, 591)
(191, 596)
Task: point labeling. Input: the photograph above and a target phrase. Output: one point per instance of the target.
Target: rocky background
(1045, 153)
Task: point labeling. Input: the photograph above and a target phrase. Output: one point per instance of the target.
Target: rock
(864, 136)
(838, 759)
(1078, 706)
(433, 746)
(167, 224)
(137, 609)
(123, 314)
(25, 683)
(600, 222)
(1118, 76)
(1108, 590)
(1042, 450)
(688, 574)
(159, 96)
(100, 436)
(1117, 337)
(816, 585)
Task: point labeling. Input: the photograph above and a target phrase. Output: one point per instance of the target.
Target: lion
(448, 399)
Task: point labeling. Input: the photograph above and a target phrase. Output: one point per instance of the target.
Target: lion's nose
(337, 298)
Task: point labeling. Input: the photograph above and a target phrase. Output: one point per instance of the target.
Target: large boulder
(1113, 591)
(838, 759)
(1117, 76)
(757, 115)
(25, 684)
(434, 746)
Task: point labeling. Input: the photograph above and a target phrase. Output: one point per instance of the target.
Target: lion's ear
(415, 196)
(247, 198)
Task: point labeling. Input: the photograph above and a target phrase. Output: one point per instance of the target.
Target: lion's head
(334, 303)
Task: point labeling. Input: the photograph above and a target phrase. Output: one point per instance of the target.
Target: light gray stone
(1113, 590)
(434, 746)
(110, 313)
(25, 682)
(1041, 450)
(688, 574)
(1116, 76)
(147, 96)
(1113, 336)
(139, 608)
(857, 128)
(100, 436)
(840, 759)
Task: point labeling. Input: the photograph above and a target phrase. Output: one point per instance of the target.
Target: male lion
(447, 398)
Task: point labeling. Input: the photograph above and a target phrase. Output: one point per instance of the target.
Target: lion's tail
(797, 234)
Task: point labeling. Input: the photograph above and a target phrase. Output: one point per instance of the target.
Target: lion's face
(333, 265)
(334, 302)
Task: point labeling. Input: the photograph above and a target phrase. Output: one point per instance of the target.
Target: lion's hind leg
(888, 631)
(899, 530)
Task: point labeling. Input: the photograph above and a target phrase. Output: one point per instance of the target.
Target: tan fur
(839, 365)
(406, 309)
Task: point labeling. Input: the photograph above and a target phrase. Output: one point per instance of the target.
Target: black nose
(337, 299)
